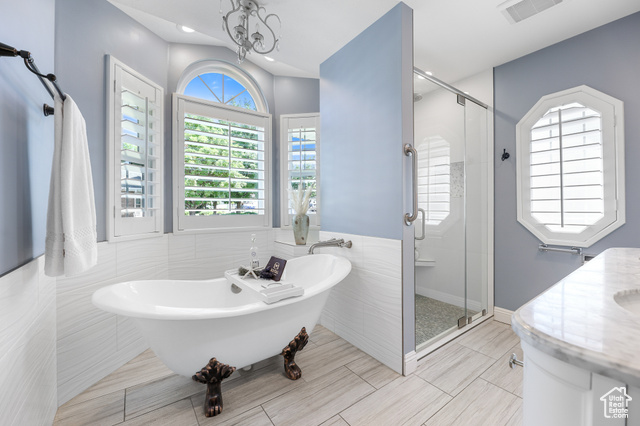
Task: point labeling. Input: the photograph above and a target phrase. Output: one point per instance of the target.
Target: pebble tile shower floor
(466, 382)
(434, 317)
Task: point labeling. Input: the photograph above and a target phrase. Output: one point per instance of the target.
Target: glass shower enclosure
(452, 228)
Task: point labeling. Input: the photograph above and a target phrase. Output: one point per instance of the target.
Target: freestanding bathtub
(188, 322)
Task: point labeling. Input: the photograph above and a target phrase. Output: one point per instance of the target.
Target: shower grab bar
(423, 224)
(411, 151)
(572, 250)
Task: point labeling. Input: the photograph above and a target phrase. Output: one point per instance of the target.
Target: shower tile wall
(27, 345)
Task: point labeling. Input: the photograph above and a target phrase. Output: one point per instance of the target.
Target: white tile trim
(410, 363)
(502, 315)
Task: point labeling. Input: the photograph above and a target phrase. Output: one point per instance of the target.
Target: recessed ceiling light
(421, 77)
(185, 29)
(428, 73)
(466, 93)
(269, 59)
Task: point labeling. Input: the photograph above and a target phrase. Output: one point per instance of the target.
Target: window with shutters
(221, 160)
(570, 158)
(299, 165)
(135, 154)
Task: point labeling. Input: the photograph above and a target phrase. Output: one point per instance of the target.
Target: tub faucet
(332, 242)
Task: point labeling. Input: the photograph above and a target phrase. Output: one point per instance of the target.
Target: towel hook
(505, 154)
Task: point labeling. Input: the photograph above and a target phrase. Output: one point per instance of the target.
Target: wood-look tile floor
(467, 382)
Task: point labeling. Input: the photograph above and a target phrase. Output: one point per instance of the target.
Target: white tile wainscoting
(205, 256)
(365, 309)
(28, 393)
(93, 343)
(54, 343)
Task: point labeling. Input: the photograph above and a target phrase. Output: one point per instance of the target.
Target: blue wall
(607, 59)
(361, 94)
(26, 135)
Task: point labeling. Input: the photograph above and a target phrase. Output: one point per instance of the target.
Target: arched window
(221, 150)
(224, 83)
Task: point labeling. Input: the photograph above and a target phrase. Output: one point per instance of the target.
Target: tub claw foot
(289, 352)
(212, 375)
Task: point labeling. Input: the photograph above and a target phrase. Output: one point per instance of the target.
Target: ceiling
(453, 39)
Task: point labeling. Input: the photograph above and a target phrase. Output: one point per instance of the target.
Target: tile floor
(466, 382)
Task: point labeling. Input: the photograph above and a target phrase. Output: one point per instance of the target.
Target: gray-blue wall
(293, 96)
(74, 45)
(361, 123)
(607, 59)
(86, 31)
(26, 135)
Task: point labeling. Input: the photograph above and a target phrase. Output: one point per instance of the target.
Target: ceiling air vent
(518, 10)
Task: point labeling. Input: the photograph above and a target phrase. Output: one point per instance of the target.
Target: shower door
(478, 170)
(451, 230)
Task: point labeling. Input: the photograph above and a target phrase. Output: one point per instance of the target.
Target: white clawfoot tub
(188, 322)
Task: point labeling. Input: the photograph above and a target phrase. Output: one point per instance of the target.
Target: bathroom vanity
(581, 343)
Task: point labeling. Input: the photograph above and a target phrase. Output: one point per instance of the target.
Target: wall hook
(505, 155)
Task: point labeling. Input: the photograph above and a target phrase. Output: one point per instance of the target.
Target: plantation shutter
(570, 159)
(222, 158)
(567, 181)
(135, 155)
(300, 165)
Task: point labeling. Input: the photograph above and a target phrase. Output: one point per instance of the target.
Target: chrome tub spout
(330, 243)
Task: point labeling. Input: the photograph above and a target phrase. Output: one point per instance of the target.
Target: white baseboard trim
(502, 315)
(410, 363)
(448, 298)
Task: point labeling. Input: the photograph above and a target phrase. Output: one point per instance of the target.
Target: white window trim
(227, 68)
(113, 146)
(454, 214)
(613, 156)
(314, 219)
(228, 223)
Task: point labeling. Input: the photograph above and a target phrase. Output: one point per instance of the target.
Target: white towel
(71, 243)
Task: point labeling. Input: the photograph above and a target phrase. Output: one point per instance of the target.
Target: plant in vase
(299, 199)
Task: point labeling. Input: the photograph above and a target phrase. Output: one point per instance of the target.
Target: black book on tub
(274, 269)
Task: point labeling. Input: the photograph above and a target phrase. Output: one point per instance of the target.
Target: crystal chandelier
(248, 11)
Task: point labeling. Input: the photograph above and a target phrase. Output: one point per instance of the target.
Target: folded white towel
(71, 242)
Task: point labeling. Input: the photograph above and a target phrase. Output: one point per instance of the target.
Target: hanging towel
(71, 243)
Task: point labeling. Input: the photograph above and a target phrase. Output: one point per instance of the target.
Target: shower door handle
(423, 224)
(409, 150)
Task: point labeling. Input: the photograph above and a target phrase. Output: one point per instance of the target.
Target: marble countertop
(578, 321)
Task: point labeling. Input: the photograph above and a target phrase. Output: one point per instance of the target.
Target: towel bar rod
(29, 62)
(49, 77)
(572, 250)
